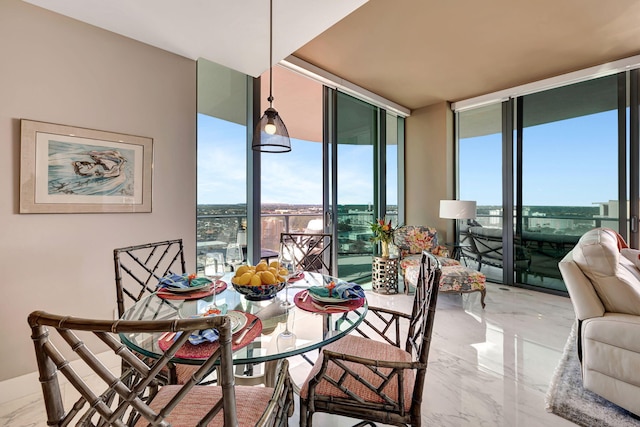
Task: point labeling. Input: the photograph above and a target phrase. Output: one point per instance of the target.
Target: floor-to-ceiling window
(344, 169)
(292, 183)
(568, 144)
(222, 162)
(568, 173)
(480, 175)
(357, 140)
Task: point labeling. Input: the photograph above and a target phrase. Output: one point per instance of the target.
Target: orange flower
(330, 286)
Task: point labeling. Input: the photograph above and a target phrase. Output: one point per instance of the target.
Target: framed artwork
(66, 169)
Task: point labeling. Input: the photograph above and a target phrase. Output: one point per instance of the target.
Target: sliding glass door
(561, 155)
(568, 173)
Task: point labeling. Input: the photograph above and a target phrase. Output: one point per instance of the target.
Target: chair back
(413, 239)
(120, 395)
(139, 268)
(312, 251)
(422, 317)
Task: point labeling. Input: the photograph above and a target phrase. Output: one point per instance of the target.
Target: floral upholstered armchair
(456, 278)
(411, 240)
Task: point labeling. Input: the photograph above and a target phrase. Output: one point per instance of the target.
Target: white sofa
(604, 285)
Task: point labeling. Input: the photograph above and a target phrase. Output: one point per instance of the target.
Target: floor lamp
(457, 209)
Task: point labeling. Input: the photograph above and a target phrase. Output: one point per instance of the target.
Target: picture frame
(68, 169)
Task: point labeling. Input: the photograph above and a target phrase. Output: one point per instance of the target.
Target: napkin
(205, 335)
(182, 281)
(344, 290)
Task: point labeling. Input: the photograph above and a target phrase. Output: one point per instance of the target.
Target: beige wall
(57, 70)
(429, 167)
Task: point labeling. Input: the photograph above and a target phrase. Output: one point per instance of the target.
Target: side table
(384, 274)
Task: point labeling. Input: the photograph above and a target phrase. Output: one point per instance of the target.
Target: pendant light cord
(270, 52)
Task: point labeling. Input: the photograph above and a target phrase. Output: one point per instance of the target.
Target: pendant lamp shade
(270, 134)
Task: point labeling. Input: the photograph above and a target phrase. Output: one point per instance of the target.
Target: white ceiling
(232, 33)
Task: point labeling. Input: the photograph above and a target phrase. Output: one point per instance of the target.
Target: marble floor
(487, 367)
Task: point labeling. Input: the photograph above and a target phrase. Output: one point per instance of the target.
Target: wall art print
(67, 169)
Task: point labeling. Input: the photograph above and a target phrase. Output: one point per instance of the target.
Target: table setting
(245, 327)
(188, 287)
(331, 298)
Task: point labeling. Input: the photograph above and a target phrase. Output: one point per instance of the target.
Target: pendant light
(270, 135)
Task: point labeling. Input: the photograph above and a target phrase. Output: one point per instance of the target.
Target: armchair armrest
(440, 250)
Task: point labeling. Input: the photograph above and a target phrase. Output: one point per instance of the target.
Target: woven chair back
(139, 268)
(118, 393)
(312, 251)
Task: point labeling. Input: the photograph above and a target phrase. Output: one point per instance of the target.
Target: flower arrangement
(382, 231)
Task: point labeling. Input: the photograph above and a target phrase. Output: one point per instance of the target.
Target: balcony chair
(131, 396)
(312, 251)
(138, 269)
(456, 278)
(375, 379)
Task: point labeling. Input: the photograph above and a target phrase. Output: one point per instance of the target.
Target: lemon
(262, 266)
(282, 272)
(245, 278)
(274, 264)
(273, 271)
(241, 270)
(268, 278)
(256, 280)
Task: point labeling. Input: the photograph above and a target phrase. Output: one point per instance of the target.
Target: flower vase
(385, 249)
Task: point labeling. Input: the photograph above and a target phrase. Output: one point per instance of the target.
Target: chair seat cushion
(251, 404)
(414, 261)
(363, 347)
(454, 278)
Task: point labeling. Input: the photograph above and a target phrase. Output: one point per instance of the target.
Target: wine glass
(287, 262)
(286, 339)
(214, 270)
(234, 255)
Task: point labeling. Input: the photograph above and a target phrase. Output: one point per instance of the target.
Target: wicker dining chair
(312, 251)
(375, 379)
(131, 396)
(137, 270)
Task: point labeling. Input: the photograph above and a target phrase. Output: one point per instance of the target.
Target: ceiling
(412, 52)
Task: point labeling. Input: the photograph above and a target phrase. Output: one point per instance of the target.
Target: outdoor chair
(312, 251)
(378, 379)
(138, 269)
(131, 396)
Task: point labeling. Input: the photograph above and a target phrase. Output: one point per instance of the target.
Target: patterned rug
(567, 399)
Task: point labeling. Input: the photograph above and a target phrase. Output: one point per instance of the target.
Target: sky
(570, 162)
(566, 163)
(294, 177)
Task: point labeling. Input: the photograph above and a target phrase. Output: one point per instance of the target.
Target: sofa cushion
(615, 278)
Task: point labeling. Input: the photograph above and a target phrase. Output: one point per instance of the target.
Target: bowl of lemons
(260, 282)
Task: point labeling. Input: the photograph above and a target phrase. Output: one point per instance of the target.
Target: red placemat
(204, 350)
(298, 276)
(164, 294)
(313, 306)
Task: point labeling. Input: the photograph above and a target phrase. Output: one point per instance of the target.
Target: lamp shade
(457, 209)
(271, 135)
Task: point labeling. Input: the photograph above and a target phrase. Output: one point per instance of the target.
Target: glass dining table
(312, 325)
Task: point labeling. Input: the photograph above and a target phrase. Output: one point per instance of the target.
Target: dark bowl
(259, 293)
